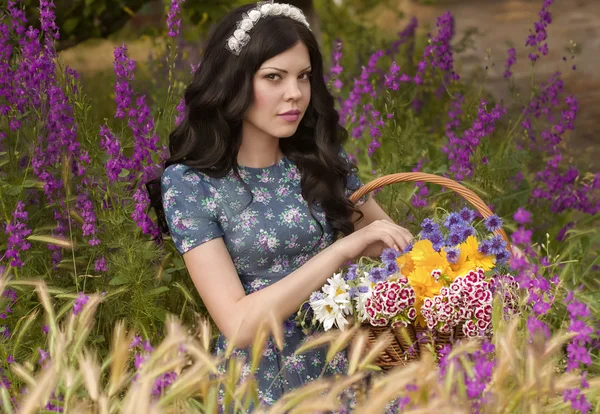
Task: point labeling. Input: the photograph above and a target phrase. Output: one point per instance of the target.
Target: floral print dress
(267, 239)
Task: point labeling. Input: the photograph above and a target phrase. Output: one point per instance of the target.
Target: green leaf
(158, 291)
(124, 173)
(119, 280)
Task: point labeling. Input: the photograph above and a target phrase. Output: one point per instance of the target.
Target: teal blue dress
(267, 240)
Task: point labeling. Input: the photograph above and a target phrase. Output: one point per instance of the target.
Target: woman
(255, 193)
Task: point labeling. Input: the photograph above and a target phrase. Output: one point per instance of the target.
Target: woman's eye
(306, 76)
(273, 76)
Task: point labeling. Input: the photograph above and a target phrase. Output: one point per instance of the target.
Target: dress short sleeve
(354, 182)
(190, 207)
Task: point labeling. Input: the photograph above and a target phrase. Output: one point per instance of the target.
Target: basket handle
(461, 190)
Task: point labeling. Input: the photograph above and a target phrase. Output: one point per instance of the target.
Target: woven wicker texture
(409, 343)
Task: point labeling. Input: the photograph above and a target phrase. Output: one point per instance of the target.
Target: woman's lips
(290, 118)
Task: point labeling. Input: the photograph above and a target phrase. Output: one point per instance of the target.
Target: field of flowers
(97, 313)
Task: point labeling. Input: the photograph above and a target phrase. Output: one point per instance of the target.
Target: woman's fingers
(402, 237)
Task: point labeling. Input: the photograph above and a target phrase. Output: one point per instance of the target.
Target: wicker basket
(409, 343)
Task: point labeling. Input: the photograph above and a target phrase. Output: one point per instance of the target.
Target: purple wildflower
(100, 265)
(539, 37)
(512, 58)
(17, 232)
(174, 18)
(80, 302)
(522, 216)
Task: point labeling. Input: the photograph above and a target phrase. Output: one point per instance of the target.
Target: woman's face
(281, 93)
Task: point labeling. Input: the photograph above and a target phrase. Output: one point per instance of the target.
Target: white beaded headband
(240, 37)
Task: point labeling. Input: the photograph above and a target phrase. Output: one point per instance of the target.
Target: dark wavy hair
(210, 134)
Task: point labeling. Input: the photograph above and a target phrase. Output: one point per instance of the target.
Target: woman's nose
(293, 91)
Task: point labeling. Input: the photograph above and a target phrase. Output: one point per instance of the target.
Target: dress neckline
(270, 167)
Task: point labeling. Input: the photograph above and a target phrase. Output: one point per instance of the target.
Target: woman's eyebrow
(284, 71)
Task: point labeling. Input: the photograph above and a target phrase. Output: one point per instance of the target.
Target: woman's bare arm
(238, 315)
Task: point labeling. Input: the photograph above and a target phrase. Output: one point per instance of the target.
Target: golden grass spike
(119, 355)
(25, 374)
(45, 299)
(276, 330)
(316, 342)
(6, 402)
(340, 343)
(204, 333)
(258, 345)
(39, 394)
(88, 363)
(356, 350)
(311, 390)
(55, 240)
(207, 359)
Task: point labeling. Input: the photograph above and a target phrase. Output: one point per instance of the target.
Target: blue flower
(429, 226)
(467, 231)
(467, 215)
(377, 274)
(497, 245)
(391, 268)
(485, 247)
(437, 239)
(389, 255)
(316, 296)
(363, 289)
(493, 223)
(351, 275)
(502, 257)
(452, 254)
(455, 236)
(453, 219)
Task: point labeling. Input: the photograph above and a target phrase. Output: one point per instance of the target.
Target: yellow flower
(471, 258)
(425, 257)
(406, 264)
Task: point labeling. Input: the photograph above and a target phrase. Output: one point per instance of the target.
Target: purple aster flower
(502, 257)
(467, 215)
(391, 268)
(497, 245)
(452, 254)
(485, 247)
(389, 255)
(429, 226)
(363, 289)
(493, 223)
(453, 219)
(377, 275)
(522, 216)
(351, 274)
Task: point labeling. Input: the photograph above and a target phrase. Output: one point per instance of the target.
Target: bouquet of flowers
(444, 281)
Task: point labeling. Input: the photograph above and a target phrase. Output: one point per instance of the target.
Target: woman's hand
(380, 232)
